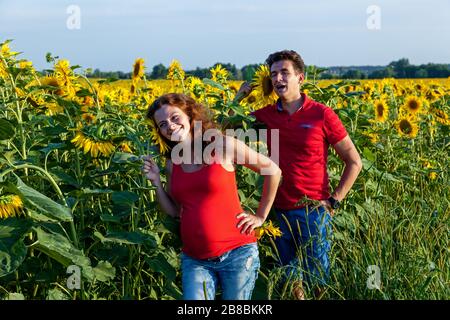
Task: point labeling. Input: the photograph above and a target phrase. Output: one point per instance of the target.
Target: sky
(111, 34)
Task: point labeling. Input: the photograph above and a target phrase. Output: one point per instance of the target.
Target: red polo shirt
(303, 149)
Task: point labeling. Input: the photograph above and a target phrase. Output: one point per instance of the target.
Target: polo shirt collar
(280, 105)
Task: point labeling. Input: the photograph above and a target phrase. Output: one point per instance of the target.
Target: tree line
(160, 71)
(396, 69)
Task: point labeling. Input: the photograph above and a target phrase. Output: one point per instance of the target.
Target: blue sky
(114, 33)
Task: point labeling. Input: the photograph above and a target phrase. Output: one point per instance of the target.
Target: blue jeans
(236, 272)
(304, 246)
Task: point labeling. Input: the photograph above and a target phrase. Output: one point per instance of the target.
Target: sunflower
(52, 82)
(349, 88)
(3, 71)
(88, 117)
(138, 69)
(65, 77)
(196, 87)
(63, 73)
(259, 232)
(433, 94)
(5, 51)
(175, 72)
(53, 108)
(401, 91)
(125, 147)
(269, 229)
(10, 206)
(133, 87)
(250, 99)
(440, 116)
(20, 92)
(123, 96)
(381, 110)
(431, 174)
(419, 87)
(150, 94)
(87, 102)
(413, 104)
(219, 74)
(95, 147)
(35, 100)
(101, 92)
(26, 64)
(157, 139)
(263, 87)
(368, 89)
(406, 126)
(373, 136)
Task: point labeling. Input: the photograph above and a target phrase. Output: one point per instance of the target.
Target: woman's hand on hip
(248, 222)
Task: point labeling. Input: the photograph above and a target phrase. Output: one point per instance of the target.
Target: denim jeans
(235, 271)
(305, 244)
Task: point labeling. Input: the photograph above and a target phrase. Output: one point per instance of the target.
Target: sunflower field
(74, 203)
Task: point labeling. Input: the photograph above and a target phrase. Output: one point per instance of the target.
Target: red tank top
(209, 205)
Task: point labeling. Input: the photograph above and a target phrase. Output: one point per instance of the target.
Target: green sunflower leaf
(43, 204)
(12, 249)
(7, 130)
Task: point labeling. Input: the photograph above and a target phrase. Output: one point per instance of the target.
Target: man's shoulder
(328, 115)
(316, 104)
(319, 108)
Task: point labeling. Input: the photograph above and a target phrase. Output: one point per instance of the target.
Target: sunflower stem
(79, 181)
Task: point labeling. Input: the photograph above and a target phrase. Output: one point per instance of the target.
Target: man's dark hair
(291, 55)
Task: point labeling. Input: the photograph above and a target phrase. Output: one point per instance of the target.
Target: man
(306, 129)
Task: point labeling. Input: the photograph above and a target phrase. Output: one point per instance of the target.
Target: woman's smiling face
(172, 122)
